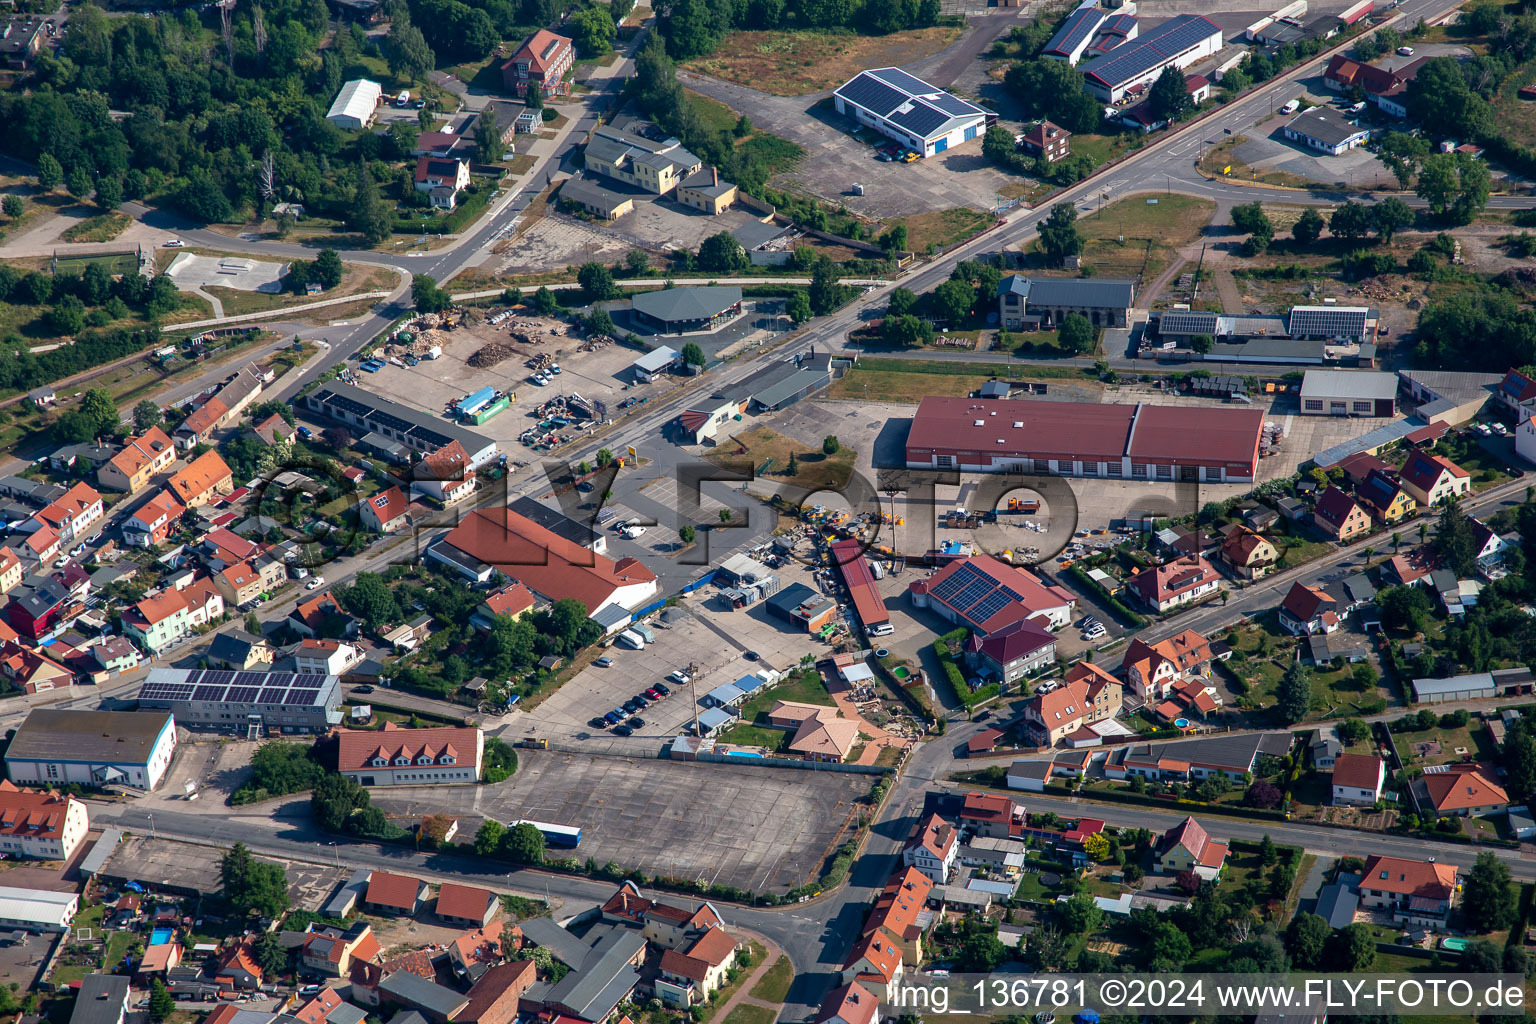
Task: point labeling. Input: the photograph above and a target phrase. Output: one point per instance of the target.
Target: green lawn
(773, 986)
(748, 1013)
(805, 688)
(775, 740)
(117, 947)
(1471, 736)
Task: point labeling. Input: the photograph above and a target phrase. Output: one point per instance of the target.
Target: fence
(784, 762)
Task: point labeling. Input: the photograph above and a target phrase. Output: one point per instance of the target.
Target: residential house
(330, 952)
(821, 733)
(29, 670)
(445, 475)
(1188, 847)
(1339, 516)
(898, 910)
(474, 952)
(543, 60)
(703, 190)
(494, 997)
(1432, 479)
(1308, 610)
(310, 618)
(326, 657)
(40, 825)
(1092, 697)
(101, 999)
(1181, 582)
(875, 963)
(656, 167)
(116, 654)
(513, 600)
(674, 927)
(1417, 893)
(274, 429)
(242, 583)
(991, 814)
(1385, 497)
(240, 651)
(851, 1003)
(71, 515)
(689, 976)
(1154, 671)
(932, 849)
(1358, 779)
(466, 905)
(202, 480)
(386, 511)
(1250, 554)
(152, 522)
(1009, 654)
(40, 546)
(1047, 142)
(237, 967)
(10, 570)
(1465, 791)
(141, 458)
(443, 179)
(396, 895)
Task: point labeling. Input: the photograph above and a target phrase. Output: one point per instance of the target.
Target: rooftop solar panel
(208, 693)
(243, 694)
(271, 695)
(308, 679)
(872, 94)
(1188, 323)
(922, 119)
(954, 104)
(218, 677)
(301, 696)
(954, 584)
(1140, 55)
(899, 79)
(1077, 28)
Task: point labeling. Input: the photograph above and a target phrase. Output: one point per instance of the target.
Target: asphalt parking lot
(171, 866)
(766, 829)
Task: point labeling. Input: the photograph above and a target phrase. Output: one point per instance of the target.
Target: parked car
(636, 723)
(1405, 51)
(603, 662)
(751, 655)
(612, 718)
(318, 581)
(661, 689)
(174, 243)
(633, 532)
(598, 723)
(362, 689)
(641, 701)
(623, 730)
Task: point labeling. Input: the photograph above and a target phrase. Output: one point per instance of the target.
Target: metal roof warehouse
(674, 310)
(1179, 42)
(909, 110)
(1085, 439)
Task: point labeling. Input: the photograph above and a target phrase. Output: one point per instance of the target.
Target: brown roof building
(394, 894)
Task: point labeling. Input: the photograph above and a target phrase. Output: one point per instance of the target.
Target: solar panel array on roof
(1180, 322)
(1075, 30)
(909, 84)
(873, 95)
(1158, 46)
(1327, 321)
(223, 686)
(907, 102)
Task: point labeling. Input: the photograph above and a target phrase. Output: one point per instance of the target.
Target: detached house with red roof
(849, 1004)
(399, 895)
(1418, 893)
(1051, 717)
(444, 476)
(1432, 479)
(1181, 582)
(1358, 779)
(992, 814)
(1188, 847)
(466, 905)
(1308, 611)
(899, 912)
(1384, 496)
(141, 458)
(238, 968)
(393, 756)
(10, 570)
(1154, 671)
(1017, 650)
(542, 60)
(47, 826)
(203, 479)
(1340, 517)
(309, 617)
(444, 179)
(331, 952)
(690, 975)
(71, 515)
(875, 963)
(1465, 791)
(1251, 555)
(152, 522)
(932, 849)
(386, 511)
(513, 600)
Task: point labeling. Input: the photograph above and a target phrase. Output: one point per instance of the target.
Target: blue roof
(1140, 55)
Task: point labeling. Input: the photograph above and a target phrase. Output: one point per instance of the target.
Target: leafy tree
(326, 268)
(1453, 185)
(1168, 99)
(1308, 227)
(901, 302)
(544, 301)
(1442, 102)
(1202, 343)
(1353, 949)
(1487, 897)
(693, 354)
(1252, 221)
(202, 200)
(1294, 699)
(524, 844)
(488, 144)
(1519, 758)
(1054, 90)
(109, 192)
(500, 760)
(533, 96)
(278, 767)
(12, 206)
(905, 330)
(721, 253)
(599, 321)
(427, 296)
(334, 800)
(1404, 608)
(894, 240)
(1390, 216)
(1455, 540)
(686, 533)
(1402, 154)
(161, 1003)
(368, 215)
(68, 317)
(252, 886)
(1059, 237)
(1306, 937)
(825, 293)
(49, 173)
(596, 282)
(1075, 334)
(1080, 915)
(593, 31)
(1353, 730)
(983, 952)
(798, 308)
(951, 302)
(407, 53)
(1267, 853)
(370, 599)
(830, 445)
(1262, 794)
(268, 951)
(637, 261)
(488, 839)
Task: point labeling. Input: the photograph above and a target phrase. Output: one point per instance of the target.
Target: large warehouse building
(1178, 42)
(92, 748)
(248, 703)
(416, 430)
(909, 110)
(684, 310)
(1137, 442)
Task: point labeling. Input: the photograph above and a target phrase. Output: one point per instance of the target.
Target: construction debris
(488, 356)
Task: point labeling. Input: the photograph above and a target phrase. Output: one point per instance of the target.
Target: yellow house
(1250, 554)
(657, 167)
(141, 458)
(1187, 847)
(686, 978)
(1433, 478)
(1387, 500)
(703, 190)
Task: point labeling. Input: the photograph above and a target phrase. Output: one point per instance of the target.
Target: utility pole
(693, 691)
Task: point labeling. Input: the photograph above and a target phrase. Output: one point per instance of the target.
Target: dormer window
(402, 760)
(379, 762)
(424, 759)
(448, 759)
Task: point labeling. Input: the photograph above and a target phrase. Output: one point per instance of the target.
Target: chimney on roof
(714, 176)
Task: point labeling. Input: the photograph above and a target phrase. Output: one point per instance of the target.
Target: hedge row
(1145, 800)
(1116, 605)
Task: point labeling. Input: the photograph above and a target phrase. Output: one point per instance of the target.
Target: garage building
(1137, 442)
(1348, 393)
(1322, 129)
(909, 110)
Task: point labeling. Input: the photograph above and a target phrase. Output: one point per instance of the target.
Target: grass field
(902, 380)
(813, 470)
(775, 153)
(773, 986)
(101, 228)
(748, 1013)
(791, 63)
(942, 227)
(1117, 236)
(116, 263)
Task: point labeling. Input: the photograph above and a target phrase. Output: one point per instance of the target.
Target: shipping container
(1355, 12)
(486, 412)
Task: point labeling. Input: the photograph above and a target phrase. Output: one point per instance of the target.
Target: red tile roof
(852, 1003)
(1303, 603)
(1463, 790)
(464, 901)
(1162, 583)
(1423, 470)
(198, 477)
(1357, 771)
(1336, 507)
(1408, 877)
(513, 599)
(27, 812)
(357, 747)
(387, 890)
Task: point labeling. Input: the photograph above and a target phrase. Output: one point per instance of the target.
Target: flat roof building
(909, 110)
(1348, 393)
(1135, 64)
(416, 430)
(249, 703)
(1136, 442)
(92, 748)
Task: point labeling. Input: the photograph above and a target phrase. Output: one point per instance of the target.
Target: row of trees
(1351, 222)
(693, 28)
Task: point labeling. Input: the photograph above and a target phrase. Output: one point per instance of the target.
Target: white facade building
(909, 110)
(356, 104)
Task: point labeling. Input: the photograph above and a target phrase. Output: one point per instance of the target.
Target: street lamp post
(151, 826)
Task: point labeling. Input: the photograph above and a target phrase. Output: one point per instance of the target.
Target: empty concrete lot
(238, 272)
(766, 829)
(190, 868)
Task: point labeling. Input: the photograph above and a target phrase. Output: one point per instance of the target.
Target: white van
(883, 629)
(1291, 107)
(629, 638)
